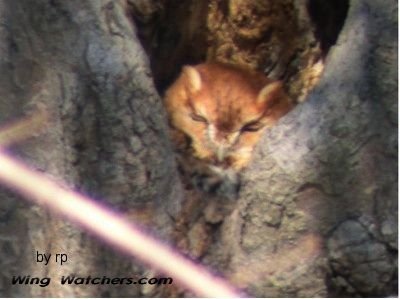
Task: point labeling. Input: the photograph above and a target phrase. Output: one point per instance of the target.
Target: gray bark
(106, 136)
(318, 212)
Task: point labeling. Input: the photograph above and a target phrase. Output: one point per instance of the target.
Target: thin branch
(110, 227)
(22, 129)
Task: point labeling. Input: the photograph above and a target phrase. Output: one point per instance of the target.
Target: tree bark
(106, 137)
(317, 211)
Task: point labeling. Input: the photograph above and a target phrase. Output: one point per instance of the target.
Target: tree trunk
(106, 137)
(317, 215)
(317, 211)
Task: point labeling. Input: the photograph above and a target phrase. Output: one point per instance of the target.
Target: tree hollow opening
(287, 40)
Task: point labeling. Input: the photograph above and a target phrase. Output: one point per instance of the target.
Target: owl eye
(252, 127)
(198, 118)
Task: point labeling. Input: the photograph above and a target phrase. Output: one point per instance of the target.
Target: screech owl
(217, 114)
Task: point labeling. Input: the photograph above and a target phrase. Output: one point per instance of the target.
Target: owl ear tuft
(193, 78)
(269, 92)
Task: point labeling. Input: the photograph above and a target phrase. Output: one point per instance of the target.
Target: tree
(106, 135)
(317, 211)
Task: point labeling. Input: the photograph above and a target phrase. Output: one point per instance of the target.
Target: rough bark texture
(106, 137)
(317, 213)
(276, 37)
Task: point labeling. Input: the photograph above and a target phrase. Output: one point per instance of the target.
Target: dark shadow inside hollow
(328, 17)
(176, 33)
(173, 33)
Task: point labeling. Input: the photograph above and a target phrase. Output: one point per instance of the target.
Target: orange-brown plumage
(222, 110)
(217, 114)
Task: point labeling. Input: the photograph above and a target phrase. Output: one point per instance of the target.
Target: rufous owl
(217, 114)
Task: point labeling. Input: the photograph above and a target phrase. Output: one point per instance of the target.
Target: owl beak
(221, 152)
